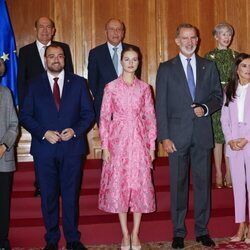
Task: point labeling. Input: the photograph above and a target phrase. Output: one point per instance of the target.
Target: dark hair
(51, 22)
(185, 26)
(132, 48)
(53, 45)
(234, 78)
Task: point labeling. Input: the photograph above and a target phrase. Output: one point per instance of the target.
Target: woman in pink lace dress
(128, 133)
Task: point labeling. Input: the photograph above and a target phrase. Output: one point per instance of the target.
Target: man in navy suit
(188, 91)
(101, 69)
(58, 112)
(31, 61)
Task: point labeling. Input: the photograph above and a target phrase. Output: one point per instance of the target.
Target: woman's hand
(106, 155)
(152, 155)
(2, 150)
(242, 142)
(237, 144)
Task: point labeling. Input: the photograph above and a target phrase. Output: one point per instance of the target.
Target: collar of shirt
(192, 62)
(119, 51)
(60, 80)
(40, 45)
(41, 50)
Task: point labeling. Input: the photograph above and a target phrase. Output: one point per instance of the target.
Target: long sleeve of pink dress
(128, 131)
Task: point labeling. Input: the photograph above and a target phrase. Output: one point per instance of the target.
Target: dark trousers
(6, 180)
(60, 175)
(200, 160)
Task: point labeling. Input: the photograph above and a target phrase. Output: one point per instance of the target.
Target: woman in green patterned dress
(223, 56)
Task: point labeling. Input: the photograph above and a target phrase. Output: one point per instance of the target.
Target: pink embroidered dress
(128, 131)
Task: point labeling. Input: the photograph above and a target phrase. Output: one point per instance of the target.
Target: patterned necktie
(56, 93)
(190, 78)
(42, 53)
(115, 59)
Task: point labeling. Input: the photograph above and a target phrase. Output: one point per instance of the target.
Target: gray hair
(217, 29)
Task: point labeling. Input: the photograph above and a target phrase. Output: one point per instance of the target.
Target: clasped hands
(238, 144)
(54, 136)
(106, 155)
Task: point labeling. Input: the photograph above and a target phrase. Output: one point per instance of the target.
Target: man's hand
(199, 112)
(168, 146)
(199, 109)
(106, 155)
(2, 150)
(52, 136)
(67, 134)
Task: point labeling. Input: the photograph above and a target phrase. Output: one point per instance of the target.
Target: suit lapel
(65, 91)
(180, 74)
(48, 91)
(107, 56)
(37, 56)
(200, 73)
(246, 106)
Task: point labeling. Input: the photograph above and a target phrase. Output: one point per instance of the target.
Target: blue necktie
(190, 78)
(115, 59)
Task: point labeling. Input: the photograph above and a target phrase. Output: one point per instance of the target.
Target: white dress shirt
(119, 51)
(241, 96)
(41, 49)
(192, 62)
(60, 81)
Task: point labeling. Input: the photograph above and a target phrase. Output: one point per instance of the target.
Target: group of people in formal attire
(189, 115)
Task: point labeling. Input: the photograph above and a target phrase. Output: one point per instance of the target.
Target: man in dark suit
(104, 62)
(58, 111)
(31, 60)
(187, 92)
(31, 56)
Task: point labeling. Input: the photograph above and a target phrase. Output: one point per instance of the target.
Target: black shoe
(77, 245)
(37, 192)
(205, 240)
(178, 243)
(51, 246)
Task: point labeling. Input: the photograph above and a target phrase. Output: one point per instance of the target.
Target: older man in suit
(58, 112)
(8, 135)
(31, 56)
(187, 92)
(104, 61)
(32, 63)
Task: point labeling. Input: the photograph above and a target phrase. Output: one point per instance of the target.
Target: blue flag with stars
(8, 51)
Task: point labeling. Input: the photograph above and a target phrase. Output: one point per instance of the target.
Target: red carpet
(98, 227)
(238, 245)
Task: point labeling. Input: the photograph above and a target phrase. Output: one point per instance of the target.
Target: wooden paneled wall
(150, 24)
